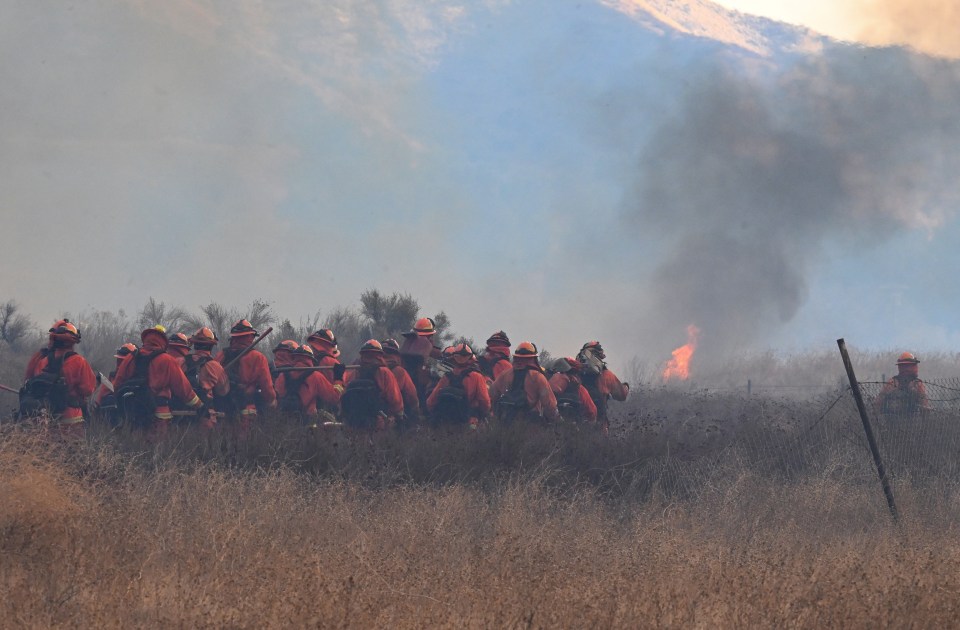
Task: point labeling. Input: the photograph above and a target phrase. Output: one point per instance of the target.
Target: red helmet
(372, 345)
(907, 358)
(289, 345)
(204, 337)
(462, 354)
(390, 346)
(154, 330)
(425, 327)
(595, 348)
(65, 332)
(242, 328)
(526, 350)
(499, 338)
(567, 364)
(324, 334)
(179, 339)
(125, 350)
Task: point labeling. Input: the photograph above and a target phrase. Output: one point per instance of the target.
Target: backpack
(191, 368)
(290, 403)
(487, 364)
(591, 381)
(360, 404)
(453, 406)
(238, 399)
(568, 402)
(135, 400)
(513, 404)
(47, 390)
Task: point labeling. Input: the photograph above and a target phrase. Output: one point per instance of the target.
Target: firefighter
(178, 346)
(282, 356)
(31, 368)
(149, 380)
(60, 384)
(372, 398)
(462, 396)
(207, 376)
(905, 393)
(411, 402)
(523, 392)
(326, 353)
(105, 402)
(416, 354)
(250, 380)
(600, 381)
(307, 393)
(495, 359)
(573, 399)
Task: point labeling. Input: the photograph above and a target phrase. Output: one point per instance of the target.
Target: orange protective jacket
(390, 394)
(498, 358)
(179, 355)
(252, 373)
(164, 376)
(904, 393)
(539, 395)
(31, 370)
(211, 376)
(79, 377)
(322, 352)
(474, 385)
(559, 383)
(315, 388)
(411, 402)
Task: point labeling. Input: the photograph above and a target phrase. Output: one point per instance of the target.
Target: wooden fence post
(871, 440)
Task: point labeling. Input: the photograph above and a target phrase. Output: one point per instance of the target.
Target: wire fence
(821, 443)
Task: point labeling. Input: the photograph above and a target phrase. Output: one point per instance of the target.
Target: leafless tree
(14, 325)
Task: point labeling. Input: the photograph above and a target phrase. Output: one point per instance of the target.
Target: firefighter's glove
(338, 370)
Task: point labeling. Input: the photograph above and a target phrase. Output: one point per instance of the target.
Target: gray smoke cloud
(752, 178)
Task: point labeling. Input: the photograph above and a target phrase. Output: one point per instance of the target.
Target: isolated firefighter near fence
(905, 393)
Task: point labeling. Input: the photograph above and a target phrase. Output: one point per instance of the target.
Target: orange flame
(679, 366)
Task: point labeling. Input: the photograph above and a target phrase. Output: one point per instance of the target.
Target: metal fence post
(871, 440)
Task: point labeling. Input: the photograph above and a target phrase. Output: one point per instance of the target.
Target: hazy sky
(492, 158)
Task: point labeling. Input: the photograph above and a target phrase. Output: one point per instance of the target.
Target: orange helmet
(324, 334)
(462, 354)
(499, 338)
(242, 328)
(289, 345)
(125, 350)
(526, 350)
(390, 346)
(907, 358)
(58, 324)
(425, 327)
(305, 351)
(66, 333)
(372, 345)
(179, 339)
(204, 337)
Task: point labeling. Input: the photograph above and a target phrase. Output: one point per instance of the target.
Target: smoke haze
(752, 178)
(552, 169)
(929, 26)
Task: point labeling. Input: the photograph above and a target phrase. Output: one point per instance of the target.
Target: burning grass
(512, 529)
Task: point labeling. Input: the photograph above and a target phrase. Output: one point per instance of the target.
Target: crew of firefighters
(175, 378)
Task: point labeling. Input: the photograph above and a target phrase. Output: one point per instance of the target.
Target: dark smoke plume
(753, 177)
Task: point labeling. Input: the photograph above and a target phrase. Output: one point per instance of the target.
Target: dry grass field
(522, 529)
